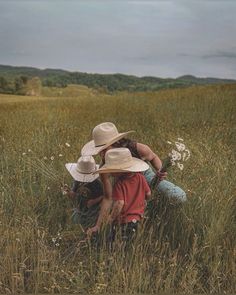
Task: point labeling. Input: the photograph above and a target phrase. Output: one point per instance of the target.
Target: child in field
(129, 192)
(86, 193)
(106, 137)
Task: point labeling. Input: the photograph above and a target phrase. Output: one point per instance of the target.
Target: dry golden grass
(188, 249)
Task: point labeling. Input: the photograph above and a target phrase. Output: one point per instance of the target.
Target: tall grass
(187, 249)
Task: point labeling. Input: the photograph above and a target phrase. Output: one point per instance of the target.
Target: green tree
(3, 84)
(19, 84)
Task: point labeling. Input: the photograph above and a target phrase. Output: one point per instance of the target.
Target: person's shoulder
(132, 179)
(96, 183)
(75, 185)
(142, 147)
(120, 182)
(140, 177)
(145, 152)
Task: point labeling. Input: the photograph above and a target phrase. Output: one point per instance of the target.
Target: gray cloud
(161, 38)
(221, 54)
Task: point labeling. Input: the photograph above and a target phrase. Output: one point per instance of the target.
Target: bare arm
(147, 154)
(105, 205)
(148, 195)
(117, 208)
(92, 202)
(68, 192)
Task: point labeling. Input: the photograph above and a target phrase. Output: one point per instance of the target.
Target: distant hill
(109, 82)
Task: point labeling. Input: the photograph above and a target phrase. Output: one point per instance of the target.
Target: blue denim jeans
(166, 188)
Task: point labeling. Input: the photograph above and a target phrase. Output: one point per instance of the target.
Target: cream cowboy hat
(83, 170)
(121, 160)
(103, 136)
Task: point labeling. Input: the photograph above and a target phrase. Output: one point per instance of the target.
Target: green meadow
(181, 249)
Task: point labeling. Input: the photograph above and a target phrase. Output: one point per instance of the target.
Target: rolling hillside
(109, 82)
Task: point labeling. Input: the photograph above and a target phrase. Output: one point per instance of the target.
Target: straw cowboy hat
(83, 170)
(103, 136)
(121, 160)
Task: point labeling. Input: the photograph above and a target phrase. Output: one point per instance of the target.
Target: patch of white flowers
(56, 241)
(179, 154)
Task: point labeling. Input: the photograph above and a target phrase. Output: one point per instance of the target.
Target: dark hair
(123, 142)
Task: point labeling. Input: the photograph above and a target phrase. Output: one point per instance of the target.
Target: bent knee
(171, 191)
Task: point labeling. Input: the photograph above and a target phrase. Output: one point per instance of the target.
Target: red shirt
(132, 190)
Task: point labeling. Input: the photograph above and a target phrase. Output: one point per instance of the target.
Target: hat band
(86, 173)
(98, 145)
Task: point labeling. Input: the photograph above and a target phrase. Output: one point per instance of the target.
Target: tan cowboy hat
(121, 160)
(83, 170)
(103, 136)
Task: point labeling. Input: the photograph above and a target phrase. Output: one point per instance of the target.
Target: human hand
(92, 230)
(66, 191)
(161, 175)
(91, 202)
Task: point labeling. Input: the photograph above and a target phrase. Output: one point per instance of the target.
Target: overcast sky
(158, 38)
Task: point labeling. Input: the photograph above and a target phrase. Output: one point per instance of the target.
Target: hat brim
(89, 149)
(72, 169)
(137, 166)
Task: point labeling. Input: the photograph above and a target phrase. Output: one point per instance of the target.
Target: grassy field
(188, 249)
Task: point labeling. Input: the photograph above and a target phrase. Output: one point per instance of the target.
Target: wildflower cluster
(179, 155)
(57, 240)
(52, 157)
(25, 153)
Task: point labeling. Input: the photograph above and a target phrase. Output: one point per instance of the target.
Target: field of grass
(188, 249)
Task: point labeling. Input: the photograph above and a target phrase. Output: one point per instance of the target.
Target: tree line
(21, 85)
(15, 80)
(15, 86)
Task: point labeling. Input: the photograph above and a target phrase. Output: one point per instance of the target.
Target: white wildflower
(57, 244)
(180, 146)
(186, 155)
(29, 150)
(175, 155)
(60, 155)
(48, 187)
(180, 139)
(169, 142)
(23, 154)
(67, 144)
(180, 166)
(52, 158)
(54, 240)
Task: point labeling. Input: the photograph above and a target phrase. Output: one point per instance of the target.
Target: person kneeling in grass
(129, 192)
(86, 193)
(105, 137)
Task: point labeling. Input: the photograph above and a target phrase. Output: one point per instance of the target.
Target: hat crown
(118, 157)
(103, 133)
(86, 164)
